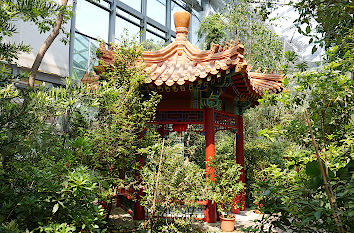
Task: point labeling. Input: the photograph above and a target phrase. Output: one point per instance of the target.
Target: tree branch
(329, 192)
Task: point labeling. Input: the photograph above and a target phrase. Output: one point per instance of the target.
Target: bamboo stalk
(329, 192)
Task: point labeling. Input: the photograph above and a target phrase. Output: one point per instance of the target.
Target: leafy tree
(295, 198)
(297, 190)
(55, 164)
(212, 29)
(123, 110)
(334, 19)
(172, 184)
(37, 11)
(325, 22)
(226, 184)
(327, 94)
(239, 20)
(39, 185)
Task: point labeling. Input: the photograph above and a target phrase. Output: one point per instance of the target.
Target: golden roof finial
(181, 19)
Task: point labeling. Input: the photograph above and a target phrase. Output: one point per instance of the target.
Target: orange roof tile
(181, 61)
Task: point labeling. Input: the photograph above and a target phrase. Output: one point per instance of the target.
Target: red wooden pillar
(240, 200)
(210, 212)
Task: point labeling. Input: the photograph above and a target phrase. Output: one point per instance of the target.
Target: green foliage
(49, 192)
(290, 56)
(174, 225)
(259, 153)
(302, 66)
(194, 148)
(333, 18)
(291, 63)
(239, 20)
(64, 149)
(122, 113)
(293, 193)
(181, 182)
(151, 45)
(226, 184)
(297, 200)
(58, 228)
(327, 93)
(266, 120)
(325, 22)
(9, 227)
(212, 29)
(173, 184)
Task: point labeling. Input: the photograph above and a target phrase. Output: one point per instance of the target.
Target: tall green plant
(47, 136)
(172, 184)
(324, 22)
(212, 29)
(226, 184)
(301, 196)
(123, 111)
(239, 20)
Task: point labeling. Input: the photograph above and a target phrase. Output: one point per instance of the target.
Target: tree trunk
(47, 43)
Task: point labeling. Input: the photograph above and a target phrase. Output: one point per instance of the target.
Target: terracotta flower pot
(227, 224)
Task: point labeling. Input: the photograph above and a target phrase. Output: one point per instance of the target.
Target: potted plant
(225, 187)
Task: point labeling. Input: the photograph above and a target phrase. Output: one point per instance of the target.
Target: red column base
(240, 203)
(210, 212)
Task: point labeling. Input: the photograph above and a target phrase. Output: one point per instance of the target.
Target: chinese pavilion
(211, 88)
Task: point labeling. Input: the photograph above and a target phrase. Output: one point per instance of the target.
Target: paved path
(243, 220)
(124, 223)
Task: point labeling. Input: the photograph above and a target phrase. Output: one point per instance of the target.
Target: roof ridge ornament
(181, 19)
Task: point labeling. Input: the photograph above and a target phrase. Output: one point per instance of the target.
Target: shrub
(226, 184)
(174, 186)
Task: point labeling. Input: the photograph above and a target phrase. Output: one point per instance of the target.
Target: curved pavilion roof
(181, 62)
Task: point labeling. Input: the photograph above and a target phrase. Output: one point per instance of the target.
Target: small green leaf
(314, 49)
(55, 208)
(318, 214)
(308, 29)
(305, 221)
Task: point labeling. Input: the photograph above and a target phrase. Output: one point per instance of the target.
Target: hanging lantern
(179, 128)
